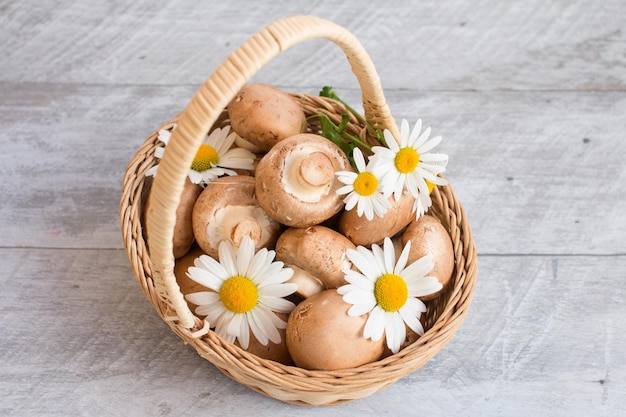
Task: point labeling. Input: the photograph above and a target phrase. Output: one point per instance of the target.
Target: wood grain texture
(526, 45)
(530, 97)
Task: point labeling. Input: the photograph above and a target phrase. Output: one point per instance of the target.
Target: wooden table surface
(530, 97)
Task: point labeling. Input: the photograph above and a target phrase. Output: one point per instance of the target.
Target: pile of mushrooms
(289, 204)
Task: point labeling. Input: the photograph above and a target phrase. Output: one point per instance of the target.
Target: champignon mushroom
(228, 210)
(295, 180)
(318, 250)
(428, 236)
(263, 115)
(183, 230)
(366, 232)
(321, 335)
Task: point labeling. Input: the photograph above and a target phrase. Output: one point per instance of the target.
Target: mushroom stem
(245, 227)
(316, 169)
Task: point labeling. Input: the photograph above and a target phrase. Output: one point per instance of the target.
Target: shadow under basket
(153, 266)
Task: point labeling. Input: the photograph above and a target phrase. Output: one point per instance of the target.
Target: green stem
(328, 92)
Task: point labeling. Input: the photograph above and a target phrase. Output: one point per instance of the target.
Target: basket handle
(206, 106)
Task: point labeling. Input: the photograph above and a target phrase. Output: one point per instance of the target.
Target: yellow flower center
(430, 186)
(365, 184)
(239, 294)
(406, 160)
(206, 158)
(391, 292)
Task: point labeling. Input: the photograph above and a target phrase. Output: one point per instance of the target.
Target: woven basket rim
(225, 355)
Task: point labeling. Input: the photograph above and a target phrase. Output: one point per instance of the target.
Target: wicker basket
(154, 267)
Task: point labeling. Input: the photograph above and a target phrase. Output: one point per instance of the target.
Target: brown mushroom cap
(367, 232)
(318, 250)
(295, 180)
(228, 210)
(428, 236)
(183, 230)
(264, 115)
(321, 335)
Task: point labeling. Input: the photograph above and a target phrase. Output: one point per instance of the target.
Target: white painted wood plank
(544, 337)
(536, 172)
(521, 45)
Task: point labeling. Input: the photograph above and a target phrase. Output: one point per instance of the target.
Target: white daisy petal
(258, 263)
(379, 260)
(204, 277)
(194, 176)
(399, 187)
(361, 260)
(426, 286)
(245, 255)
(243, 332)
(277, 321)
(431, 144)
(278, 291)
(395, 331)
(391, 141)
(256, 327)
(375, 324)
(265, 322)
(355, 296)
(402, 260)
(350, 201)
(360, 309)
(390, 255)
(358, 280)
(380, 204)
(404, 133)
(419, 268)
(411, 319)
(209, 264)
(221, 324)
(211, 311)
(367, 209)
(202, 297)
(438, 158)
(359, 160)
(415, 133)
(280, 305)
(345, 189)
(422, 138)
(415, 306)
(234, 325)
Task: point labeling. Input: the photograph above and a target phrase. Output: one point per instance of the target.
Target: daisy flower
(409, 165)
(214, 157)
(363, 189)
(247, 289)
(387, 289)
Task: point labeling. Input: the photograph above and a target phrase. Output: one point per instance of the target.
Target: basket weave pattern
(153, 267)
